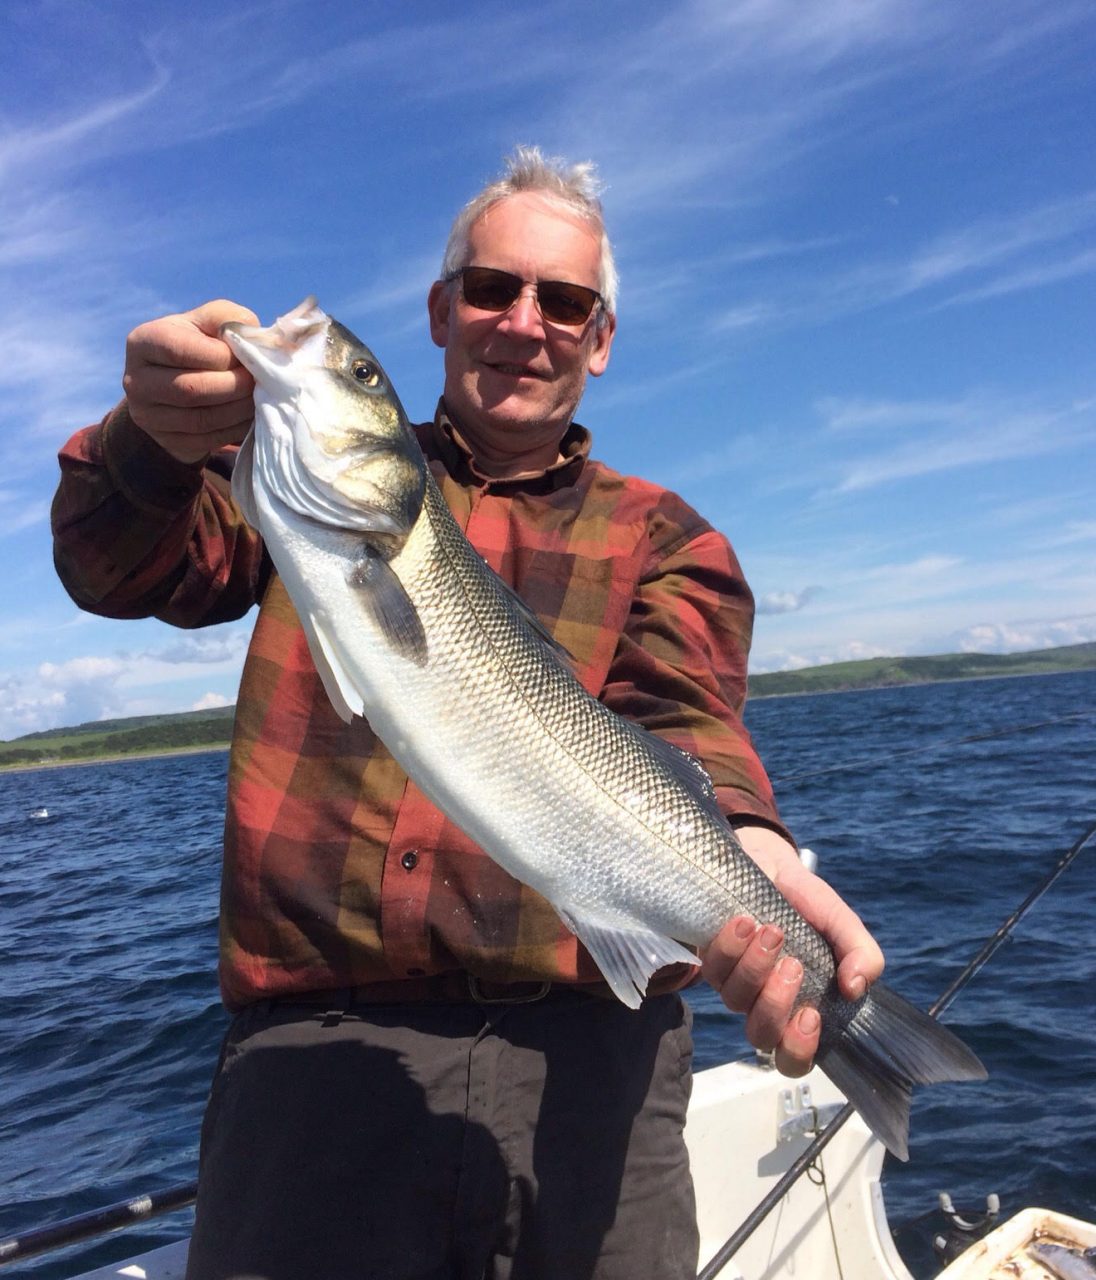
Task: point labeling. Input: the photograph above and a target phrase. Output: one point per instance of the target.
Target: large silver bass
(408, 627)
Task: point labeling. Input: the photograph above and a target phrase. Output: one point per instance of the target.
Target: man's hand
(183, 385)
(743, 962)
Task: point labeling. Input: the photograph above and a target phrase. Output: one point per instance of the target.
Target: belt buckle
(477, 993)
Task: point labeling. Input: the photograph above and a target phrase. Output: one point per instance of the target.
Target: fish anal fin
(628, 956)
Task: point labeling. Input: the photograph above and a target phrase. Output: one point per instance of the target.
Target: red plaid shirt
(337, 871)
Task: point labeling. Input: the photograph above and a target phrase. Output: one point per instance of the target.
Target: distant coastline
(187, 732)
(133, 757)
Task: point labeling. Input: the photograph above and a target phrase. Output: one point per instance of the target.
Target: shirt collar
(451, 449)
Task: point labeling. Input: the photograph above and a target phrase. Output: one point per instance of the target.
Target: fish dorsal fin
(511, 597)
(626, 955)
(686, 769)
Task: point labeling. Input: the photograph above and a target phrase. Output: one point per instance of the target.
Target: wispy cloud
(989, 257)
(914, 438)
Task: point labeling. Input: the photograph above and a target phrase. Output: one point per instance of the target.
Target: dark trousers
(450, 1142)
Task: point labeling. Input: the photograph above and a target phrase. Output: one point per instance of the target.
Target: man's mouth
(514, 370)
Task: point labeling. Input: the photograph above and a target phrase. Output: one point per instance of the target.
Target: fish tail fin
(883, 1052)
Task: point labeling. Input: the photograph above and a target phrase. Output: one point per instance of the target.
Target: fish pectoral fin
(378, 589)
(342, 691)
(627, 957)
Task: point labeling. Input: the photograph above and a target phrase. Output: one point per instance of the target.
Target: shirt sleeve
(139, 534)
(680, 668)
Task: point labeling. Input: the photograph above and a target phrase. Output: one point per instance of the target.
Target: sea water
(933, 809)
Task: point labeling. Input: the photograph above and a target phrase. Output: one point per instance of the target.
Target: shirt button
(410, 860)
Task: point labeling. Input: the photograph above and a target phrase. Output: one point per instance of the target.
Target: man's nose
(523, 316)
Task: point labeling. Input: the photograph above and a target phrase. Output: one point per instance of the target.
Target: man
(425, 1076)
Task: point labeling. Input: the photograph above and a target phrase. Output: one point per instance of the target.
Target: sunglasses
(490, 290)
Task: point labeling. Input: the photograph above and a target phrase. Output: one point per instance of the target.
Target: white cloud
(846, 651)
(90, 687)
(785, 601)
(1019, 637)
(209, 701)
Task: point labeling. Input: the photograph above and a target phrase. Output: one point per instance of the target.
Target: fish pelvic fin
(888, 1047)
(340, 688)
(627, 957)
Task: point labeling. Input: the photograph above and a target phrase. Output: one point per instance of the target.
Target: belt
(440, 988)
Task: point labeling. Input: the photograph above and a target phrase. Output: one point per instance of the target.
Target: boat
(805, 1179)
(829, 1226)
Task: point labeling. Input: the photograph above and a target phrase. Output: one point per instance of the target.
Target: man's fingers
(206, 428)
(185, 388)
(769, 1013)
(211, 315)
(188, 340)
(740, 960)
(796, 1050)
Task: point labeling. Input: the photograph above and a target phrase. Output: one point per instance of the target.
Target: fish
(410, 628)
(1064, 1263)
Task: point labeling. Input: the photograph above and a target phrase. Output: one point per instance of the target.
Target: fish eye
(364, 372)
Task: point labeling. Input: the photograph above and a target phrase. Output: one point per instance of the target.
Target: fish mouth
(267, 351)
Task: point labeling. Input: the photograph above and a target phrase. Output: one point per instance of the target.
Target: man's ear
(438, 302)
(599, 352)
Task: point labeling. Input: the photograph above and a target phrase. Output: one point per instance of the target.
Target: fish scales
(596, 759)
(409, 627)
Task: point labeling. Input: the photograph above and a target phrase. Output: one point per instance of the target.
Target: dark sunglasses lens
(560, 302)
(565, 303)
(489, 290)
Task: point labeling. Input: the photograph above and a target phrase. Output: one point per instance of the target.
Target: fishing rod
(753, 1220)
(83, 1226)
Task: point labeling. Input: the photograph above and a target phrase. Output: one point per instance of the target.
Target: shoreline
(915, 684)
(129, 756)
(164, 752)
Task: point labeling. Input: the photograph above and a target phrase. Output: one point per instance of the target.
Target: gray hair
(575, 185)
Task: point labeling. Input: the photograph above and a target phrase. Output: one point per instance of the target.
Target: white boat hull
(747, 1125)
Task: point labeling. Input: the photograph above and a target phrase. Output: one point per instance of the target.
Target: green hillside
(135, 736)
(209, 730)
(874, 673)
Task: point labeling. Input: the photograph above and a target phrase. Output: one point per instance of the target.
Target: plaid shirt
(337, 871)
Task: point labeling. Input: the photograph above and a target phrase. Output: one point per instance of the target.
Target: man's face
(513, 380)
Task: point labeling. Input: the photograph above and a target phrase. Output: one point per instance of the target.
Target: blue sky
(857, 241)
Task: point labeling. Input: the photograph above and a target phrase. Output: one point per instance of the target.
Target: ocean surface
(933, 809)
